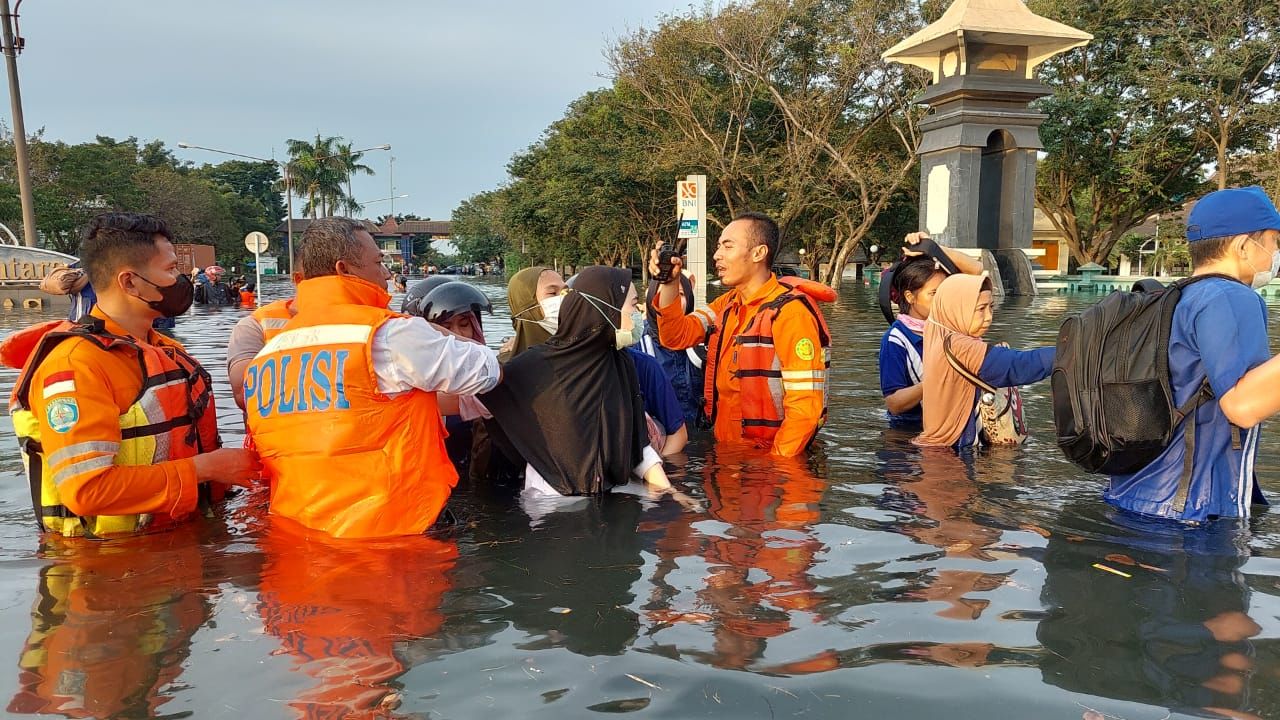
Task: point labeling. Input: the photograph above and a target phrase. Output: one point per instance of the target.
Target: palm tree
(317, 171)
(351, 165)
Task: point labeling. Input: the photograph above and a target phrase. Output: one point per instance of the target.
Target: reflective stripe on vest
(272, 318)
(165, 422)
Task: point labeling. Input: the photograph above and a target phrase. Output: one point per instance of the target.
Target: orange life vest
(759, 372)
(273, 317)
(172, 418)
(344, 458)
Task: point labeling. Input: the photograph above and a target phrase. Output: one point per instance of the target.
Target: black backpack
(1113, 402)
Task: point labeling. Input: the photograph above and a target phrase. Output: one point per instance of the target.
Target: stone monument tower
(980, 138)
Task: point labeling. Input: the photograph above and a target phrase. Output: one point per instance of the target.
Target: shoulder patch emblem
(63, 414)
(804, 349)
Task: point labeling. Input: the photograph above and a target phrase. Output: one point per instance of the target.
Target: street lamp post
(288, 179)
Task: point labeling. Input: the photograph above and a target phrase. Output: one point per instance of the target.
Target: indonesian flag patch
(59, 383)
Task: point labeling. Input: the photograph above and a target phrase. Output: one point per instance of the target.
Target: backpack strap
(1187, 415)
(964, 371)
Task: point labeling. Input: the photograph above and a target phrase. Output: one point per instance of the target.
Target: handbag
(999, 409)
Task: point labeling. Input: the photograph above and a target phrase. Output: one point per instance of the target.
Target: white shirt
(409, 353)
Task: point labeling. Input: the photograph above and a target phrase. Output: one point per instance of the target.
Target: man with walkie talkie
(768, 350)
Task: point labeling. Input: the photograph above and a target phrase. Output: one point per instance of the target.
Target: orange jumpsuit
(80, 396)
(800, 351)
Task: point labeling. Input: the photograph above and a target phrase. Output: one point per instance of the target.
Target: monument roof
(998, 22)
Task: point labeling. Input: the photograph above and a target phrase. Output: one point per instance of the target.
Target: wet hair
(1212, 249)
(116, 240)
(911, 276)
(764, 230)
(325, 242)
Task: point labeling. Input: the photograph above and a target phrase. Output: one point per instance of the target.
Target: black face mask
(174, 299)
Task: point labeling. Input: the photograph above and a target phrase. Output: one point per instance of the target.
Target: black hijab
(571, 406)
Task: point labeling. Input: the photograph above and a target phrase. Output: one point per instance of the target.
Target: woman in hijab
(534, 295)
(961, 315)
(571, 406)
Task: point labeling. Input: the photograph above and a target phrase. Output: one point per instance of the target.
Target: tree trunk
(1222, 162)
(838, 262)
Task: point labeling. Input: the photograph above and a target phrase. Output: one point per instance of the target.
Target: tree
(476, 229)
(351, 165)
(194, 209)
(1130, 126)
(72, 183)
(788, 107)
(1224, 68)
(318, 171)
(256, 180)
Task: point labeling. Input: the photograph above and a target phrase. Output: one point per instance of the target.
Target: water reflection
(1165, 619)
(112, 625)
(565, 577)
(756, 552)
(351, 615)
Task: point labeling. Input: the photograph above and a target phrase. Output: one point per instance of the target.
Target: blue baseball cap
(1230, 212)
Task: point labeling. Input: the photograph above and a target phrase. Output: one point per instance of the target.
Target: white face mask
(1260, 279)
(626, 338)
(622, 339)
(551, 313)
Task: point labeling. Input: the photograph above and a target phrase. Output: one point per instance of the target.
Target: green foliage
(1165, 88)
(321, 172)
(476, 230)
(256, 181)
(215, 204)
(785, 106)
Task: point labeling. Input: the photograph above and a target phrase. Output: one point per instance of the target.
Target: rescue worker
(342, 402)
(768, 348)
(116, 421)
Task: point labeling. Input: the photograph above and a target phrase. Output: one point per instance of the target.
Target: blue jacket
(685, 370)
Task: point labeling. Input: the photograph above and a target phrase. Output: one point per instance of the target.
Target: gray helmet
(413, 298)
(452, 298)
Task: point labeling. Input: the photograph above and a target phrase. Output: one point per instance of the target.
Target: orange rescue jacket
(343, 457)
(767, 361)
(273, 317)
(62, 424)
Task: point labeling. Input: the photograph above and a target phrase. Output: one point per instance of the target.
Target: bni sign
(687, 208)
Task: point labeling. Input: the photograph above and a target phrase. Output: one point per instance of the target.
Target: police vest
(165, 422)
(344, 458)
(759, 373)
(272, 317)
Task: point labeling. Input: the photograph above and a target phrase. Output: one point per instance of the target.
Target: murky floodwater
(869, 581)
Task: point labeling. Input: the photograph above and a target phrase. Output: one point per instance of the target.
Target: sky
(456, 88)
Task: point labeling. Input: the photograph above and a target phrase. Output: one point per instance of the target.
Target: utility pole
(11, 50)
(392, 173)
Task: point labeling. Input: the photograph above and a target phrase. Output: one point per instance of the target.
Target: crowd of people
(361, 419)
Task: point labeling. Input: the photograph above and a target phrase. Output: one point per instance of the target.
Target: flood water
(868, 581)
